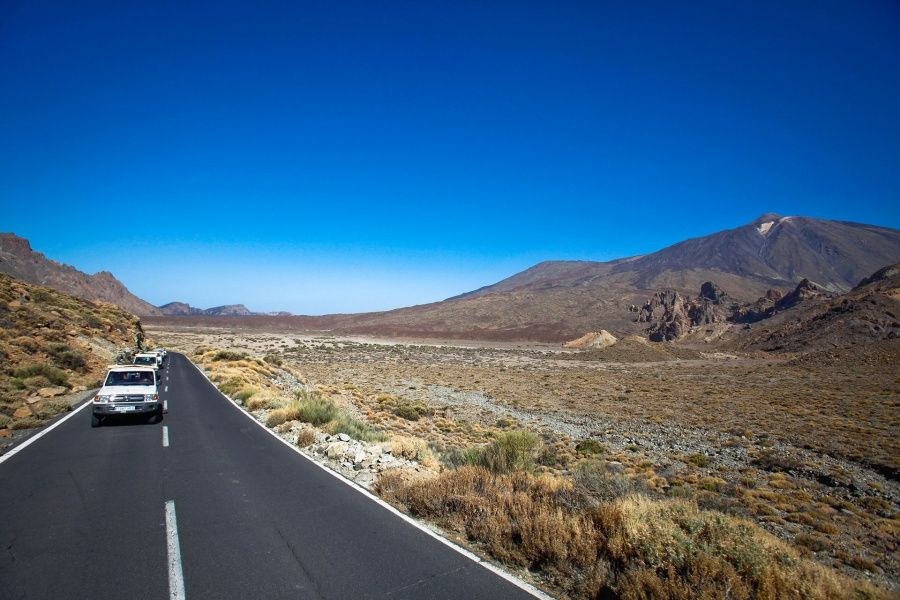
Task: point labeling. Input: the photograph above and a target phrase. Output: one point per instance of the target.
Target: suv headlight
(150, 397)
(103, 398)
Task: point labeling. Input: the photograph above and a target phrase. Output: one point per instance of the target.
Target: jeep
(127, 390)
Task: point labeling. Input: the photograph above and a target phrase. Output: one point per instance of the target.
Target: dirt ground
(806, 446)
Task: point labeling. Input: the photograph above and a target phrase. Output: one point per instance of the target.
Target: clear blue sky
(327, 156)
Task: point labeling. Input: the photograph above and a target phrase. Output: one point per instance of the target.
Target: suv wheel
(155, 417)
(95, 420)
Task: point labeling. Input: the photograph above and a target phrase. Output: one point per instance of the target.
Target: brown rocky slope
(52, 345)
(18, 259)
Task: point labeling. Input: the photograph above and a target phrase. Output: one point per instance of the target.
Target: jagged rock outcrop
(672, 315)
(774, 302)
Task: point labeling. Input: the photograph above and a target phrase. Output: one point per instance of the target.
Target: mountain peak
(766, 218)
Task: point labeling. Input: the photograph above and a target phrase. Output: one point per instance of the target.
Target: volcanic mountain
(561, 300)
(19, 260)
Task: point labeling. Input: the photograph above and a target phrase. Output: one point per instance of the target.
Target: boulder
(50, 392)
(22, 412)
(336, 450)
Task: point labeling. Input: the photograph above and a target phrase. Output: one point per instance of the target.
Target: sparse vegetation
(510, 451)
(633, 546)
(757, 438)
(40, 374)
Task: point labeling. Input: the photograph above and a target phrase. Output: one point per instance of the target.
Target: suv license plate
(124, 408)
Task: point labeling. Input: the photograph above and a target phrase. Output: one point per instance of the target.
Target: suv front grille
(128, 398)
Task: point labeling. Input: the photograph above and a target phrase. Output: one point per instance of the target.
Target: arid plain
(804, 445)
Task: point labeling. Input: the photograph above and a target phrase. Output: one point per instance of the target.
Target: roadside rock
(50, 392)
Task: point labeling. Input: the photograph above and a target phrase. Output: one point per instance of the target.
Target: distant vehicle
(128, 389)
(148, 359)
(162, 352)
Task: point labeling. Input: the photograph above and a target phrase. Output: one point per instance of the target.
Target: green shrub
(312, 408)
(510, 451)
(412, 411)
(228, 355)
(232, 386)
(344, 423)
(700, 460)
(246, 393)
(65, 358)
(50, 373)
(590, 447)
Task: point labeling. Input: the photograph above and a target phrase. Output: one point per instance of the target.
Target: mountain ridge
(555, 301)
(20, 260)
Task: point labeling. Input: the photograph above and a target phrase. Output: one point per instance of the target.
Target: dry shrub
(306, 437)
(281, 415)
(259, 401)
(510, 451)
(631, 547)
(412, 448)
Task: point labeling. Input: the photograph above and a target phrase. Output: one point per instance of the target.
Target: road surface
(206, 504)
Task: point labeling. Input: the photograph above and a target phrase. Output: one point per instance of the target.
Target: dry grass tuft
(306, 437)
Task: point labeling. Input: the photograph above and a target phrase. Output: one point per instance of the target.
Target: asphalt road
(83, 514)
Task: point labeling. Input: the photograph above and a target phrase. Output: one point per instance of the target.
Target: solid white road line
(41, 434)
(497, 570)
(176, 574)
(165, 435)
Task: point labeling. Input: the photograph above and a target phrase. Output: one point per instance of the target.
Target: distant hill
(180, 309)
(562, 300)
(19, 260)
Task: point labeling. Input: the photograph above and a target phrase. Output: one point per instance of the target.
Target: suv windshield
(145, 360)
(129, 378)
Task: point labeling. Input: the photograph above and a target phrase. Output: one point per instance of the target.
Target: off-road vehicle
(127, 390)
(148, 359)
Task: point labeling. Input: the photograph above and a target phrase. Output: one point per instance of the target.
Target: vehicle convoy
(128, 389)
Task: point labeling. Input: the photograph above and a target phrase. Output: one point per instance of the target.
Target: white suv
(128, 389)
(148, 359)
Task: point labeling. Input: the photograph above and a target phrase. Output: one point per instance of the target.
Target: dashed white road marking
(165, 406)
(173, 547)
(165, 435)
(167, 389)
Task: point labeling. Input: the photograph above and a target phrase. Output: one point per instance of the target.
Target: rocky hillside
(52, 347)
(19, 260)
(870, 312)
